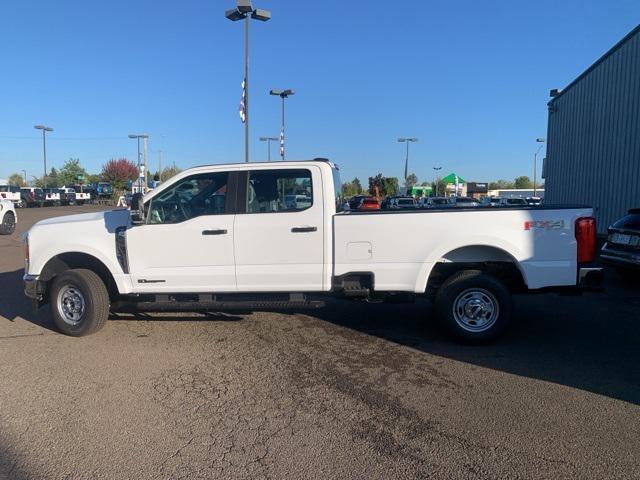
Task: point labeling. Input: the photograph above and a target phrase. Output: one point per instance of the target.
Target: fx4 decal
(544, 224)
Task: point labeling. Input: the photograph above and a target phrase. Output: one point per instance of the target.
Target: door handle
(304, 229)
(214, 232)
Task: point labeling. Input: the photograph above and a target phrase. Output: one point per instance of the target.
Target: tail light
(33, 195)
(3, 195)
(586, 238)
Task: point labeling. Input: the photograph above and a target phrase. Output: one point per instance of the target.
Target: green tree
(500, 185)
(93, 178)
(410, 181)
(71, 172)
(439, 188)
(523, 182)
(17, 180)
(168, 172)
(390, 186)
(53, 180)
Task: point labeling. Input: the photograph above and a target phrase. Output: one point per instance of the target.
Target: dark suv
(32, 196)
(622, 250)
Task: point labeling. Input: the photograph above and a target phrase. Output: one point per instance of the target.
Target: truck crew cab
(228, 236)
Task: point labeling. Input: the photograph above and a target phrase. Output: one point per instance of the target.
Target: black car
(622, 249)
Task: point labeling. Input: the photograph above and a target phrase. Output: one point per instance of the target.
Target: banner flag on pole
(241, 109)
(282, 142)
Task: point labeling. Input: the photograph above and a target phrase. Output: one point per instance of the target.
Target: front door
(186, 244)
(279, 237)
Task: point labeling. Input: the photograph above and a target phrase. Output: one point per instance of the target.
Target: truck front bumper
(34, 288)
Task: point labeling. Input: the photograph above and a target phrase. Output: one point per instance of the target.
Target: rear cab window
(281, 190)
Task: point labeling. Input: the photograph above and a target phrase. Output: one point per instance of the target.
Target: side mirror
(137, 209)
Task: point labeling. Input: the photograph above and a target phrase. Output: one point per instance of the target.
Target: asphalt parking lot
(350, 391)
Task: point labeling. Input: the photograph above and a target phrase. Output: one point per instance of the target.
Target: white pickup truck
(226, 236)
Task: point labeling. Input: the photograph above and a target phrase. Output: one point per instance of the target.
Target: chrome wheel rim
(71, 304)
(476, 310)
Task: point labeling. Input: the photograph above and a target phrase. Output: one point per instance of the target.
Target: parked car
(12, 193)
(436, 202)
(52, 196)
(67, 196)
(533, 201)
(297, 201)
(369, 203)
(8, 217)
(32, 196)
(355, 201)
(465, 202)
(622, 248)
(403, 203)
(491, 201)
(512, 202)
(85, 265)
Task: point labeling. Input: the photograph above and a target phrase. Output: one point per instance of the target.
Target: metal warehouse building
(593, 135)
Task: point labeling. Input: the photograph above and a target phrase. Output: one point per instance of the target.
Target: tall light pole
(243, 11)
(269, 140)
(535, 163)
(44, 149)
(138, 136)
(24, 175)
(282, 94)
(435, 178)
(407, 140)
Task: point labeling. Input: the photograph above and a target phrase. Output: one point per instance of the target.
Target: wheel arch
(70, 260)
(493, 260)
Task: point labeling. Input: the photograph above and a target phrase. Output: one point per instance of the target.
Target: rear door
(279, 241)
(186, 244)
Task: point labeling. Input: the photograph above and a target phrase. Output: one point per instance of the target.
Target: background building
(477, 190)
(593, 149)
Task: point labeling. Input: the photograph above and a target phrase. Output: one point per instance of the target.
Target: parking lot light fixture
(244, 11)
(540, 140)
(407, 140)
(138, 136)
(44, 149)
(283, 94)
(268, 140)
(436, 170)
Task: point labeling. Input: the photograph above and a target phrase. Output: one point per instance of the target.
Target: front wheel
(8, 225)
(474, 306)
(79, 302)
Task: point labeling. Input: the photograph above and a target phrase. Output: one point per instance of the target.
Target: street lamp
(268, 140)
(243, 11)
(535, 163)
(138, 136)
(44, 149)
(282, 94)
(435, 178)
(24, 175)
(407, 140)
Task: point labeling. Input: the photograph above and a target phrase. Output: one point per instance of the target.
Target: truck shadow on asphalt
(590, 342)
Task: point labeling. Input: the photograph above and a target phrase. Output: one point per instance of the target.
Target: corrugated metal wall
(593, 137)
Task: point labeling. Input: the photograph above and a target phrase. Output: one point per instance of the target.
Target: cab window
(270, 191)
(193, 196)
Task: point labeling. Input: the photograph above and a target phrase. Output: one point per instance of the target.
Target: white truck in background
(8, 217)
(222, 237)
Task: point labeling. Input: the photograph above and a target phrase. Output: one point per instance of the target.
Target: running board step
(208, 303)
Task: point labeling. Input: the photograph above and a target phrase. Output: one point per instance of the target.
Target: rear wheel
(79, 302)
(8, 225)
(474, 306)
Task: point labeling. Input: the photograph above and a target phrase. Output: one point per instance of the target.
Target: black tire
(92, 303)
(473, 306)
(8, 225)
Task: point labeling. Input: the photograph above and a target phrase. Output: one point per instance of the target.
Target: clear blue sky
(469, 78)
